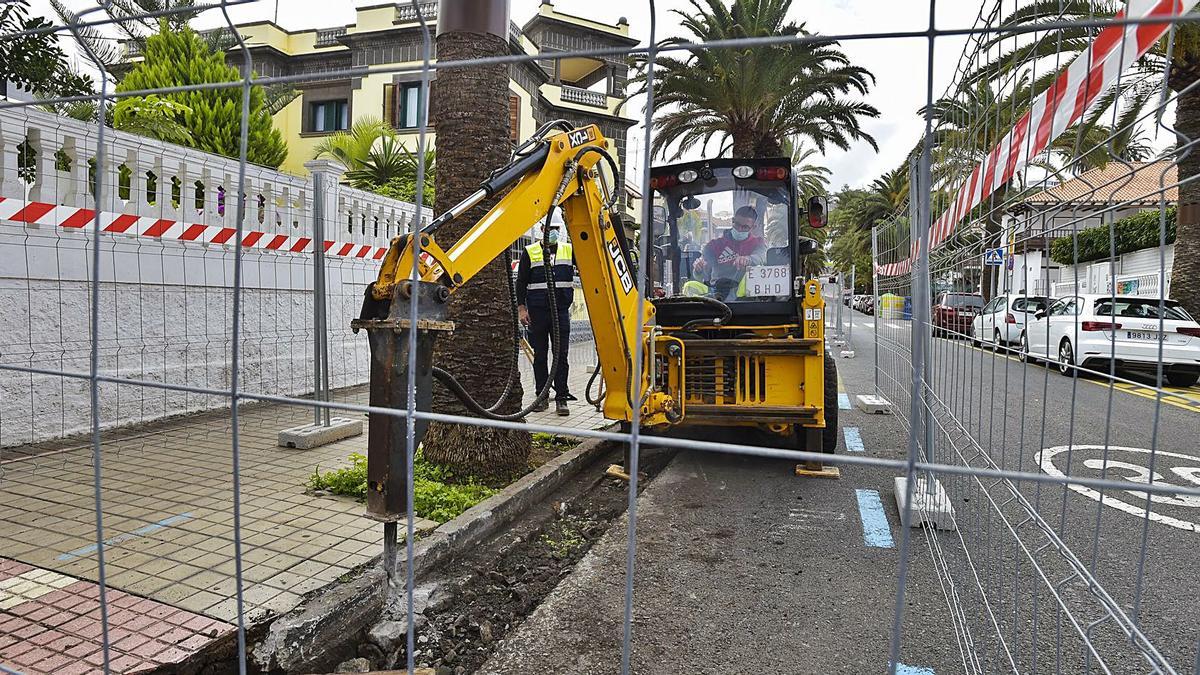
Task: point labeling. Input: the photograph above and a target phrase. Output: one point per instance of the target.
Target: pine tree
(214, 116)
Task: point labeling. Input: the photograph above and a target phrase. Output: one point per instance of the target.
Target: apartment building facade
(388, 36)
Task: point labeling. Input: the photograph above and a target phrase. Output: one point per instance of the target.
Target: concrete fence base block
(931, 505)
(873, 404)
(847, 354)
(316, 435)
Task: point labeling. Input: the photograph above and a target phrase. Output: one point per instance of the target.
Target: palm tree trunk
(991, 239)
(470, 106)
(1185, 275)
(744, 143)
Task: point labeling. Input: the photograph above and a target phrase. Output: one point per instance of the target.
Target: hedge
(1133, 233)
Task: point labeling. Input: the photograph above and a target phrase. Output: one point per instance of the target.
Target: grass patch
(564, 537)
(554, 443)
(436, 494)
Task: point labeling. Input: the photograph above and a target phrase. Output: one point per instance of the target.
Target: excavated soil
(484, 596)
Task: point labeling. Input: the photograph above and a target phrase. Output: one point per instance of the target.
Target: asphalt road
(744, 568)
(1033, 419)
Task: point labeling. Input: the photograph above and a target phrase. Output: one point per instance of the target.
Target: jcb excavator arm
(561, 170)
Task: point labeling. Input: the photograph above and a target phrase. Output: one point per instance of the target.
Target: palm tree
(471, 109)
(811, 179)
(1144, 77)
(886, 196)
(352, 147)
(753, 100)
(376, 159)
(131, 18)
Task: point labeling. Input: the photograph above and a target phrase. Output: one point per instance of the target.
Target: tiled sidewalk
(50, 625)
(166, 495)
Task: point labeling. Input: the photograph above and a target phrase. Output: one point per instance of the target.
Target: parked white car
(1002, 319)
(1090, 330)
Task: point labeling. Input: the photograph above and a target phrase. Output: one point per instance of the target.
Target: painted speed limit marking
(1172, 469)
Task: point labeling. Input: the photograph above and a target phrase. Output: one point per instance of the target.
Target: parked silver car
(1002, 319)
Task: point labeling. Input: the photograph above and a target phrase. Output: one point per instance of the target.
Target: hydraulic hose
(726, 312)
(450, 382)
(456, 388)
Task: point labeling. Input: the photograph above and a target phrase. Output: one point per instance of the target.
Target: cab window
(724, 238)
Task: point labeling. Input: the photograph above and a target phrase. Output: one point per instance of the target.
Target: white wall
(166, 305)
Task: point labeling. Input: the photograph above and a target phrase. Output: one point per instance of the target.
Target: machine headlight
(743, 171)
(688, 176)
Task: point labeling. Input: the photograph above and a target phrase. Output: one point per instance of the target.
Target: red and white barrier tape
(75, 218)
(1114, 49)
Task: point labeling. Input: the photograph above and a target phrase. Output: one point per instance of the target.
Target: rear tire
(1066, 359)
(829, 435)
(1182, 379)
(998, 342)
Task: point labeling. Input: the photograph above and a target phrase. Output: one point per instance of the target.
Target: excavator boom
(561, 170)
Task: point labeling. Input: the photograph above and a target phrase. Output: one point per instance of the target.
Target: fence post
(875, 295)
(923, 495)
(326, 175)
(841, 295)
(848, 351)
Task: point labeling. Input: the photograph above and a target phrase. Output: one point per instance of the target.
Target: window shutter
(389, 104)
(514, 118)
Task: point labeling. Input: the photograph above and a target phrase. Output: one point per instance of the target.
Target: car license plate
(1145, 335)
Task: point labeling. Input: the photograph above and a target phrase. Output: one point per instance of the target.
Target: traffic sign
(993, 256)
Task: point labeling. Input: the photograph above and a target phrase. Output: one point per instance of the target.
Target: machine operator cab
(727, 230)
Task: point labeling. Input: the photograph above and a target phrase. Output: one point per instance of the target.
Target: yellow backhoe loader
(731, 331)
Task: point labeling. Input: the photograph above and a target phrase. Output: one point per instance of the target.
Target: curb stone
(335, 615)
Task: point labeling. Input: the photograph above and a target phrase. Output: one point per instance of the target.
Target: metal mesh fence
(165, 321)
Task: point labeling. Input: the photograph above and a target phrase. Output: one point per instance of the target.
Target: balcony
(583, 96)
(328, 37)
(406, 14)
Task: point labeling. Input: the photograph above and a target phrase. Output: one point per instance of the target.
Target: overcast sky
(899, 65)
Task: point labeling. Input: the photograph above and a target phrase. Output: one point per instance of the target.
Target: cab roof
(720, 163)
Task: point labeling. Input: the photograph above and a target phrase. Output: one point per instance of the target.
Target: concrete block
(316, 435)
(847, 353)
(931, 504)
(873, 404)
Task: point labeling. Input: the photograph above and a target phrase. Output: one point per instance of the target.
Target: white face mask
(738, 235)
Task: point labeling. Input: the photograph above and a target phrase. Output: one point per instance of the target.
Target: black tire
(1023, 353)
(998, 342)
(829, 435)
(1182, 379)
(1066, 359)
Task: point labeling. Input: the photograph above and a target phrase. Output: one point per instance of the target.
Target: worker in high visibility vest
(533, 310)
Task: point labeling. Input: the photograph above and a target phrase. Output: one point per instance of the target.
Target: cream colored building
(580, 90)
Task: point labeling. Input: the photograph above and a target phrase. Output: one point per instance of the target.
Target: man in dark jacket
(533, 309)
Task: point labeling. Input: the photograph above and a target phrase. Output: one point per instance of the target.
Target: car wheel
(1024, 354)
(997, 343)
(1185, 379)
(1066, 359)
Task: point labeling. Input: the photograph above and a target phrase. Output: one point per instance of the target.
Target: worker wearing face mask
(725, 259)
(533, 310)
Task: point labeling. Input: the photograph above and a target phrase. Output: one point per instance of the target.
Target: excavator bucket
(389, 330)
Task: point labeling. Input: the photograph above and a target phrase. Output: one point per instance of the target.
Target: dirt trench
(485, 595)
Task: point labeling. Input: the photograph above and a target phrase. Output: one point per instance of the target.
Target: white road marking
(1133, 473)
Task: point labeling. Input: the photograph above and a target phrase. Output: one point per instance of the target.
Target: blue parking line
(141, 531)
(843, 401)
(854, 441)
(902, 669)
(876, 530)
